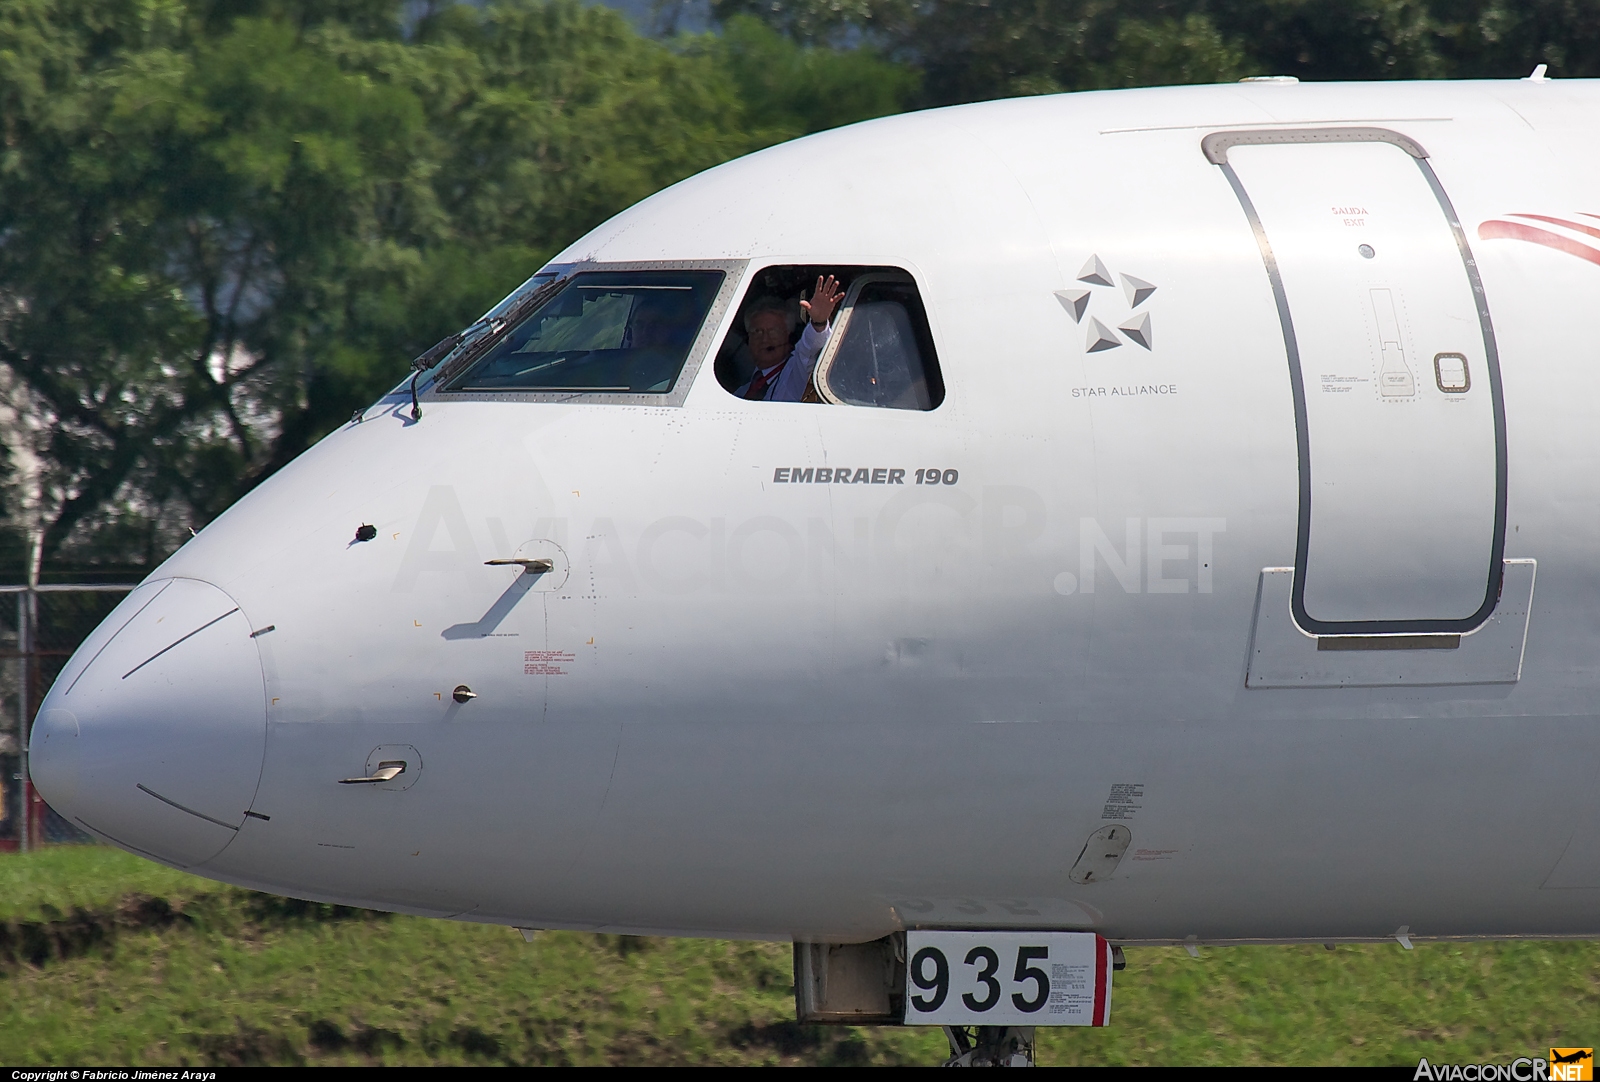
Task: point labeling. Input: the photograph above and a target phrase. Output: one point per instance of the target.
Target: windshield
(624, 331)
(538, 281)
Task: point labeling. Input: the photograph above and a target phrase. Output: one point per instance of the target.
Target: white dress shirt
(790, 386)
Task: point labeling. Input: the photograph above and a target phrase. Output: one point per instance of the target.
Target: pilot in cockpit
(781, 374)
(660, 330)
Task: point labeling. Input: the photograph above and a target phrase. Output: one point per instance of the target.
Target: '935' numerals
(938, 477)
(930, 971)
(996, 977)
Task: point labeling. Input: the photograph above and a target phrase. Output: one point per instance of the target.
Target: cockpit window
(876, 350)
(538, 281)
(618, 331)
(885, 355)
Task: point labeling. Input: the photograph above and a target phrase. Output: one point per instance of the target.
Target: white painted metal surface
(1284, 656)
(740, 706)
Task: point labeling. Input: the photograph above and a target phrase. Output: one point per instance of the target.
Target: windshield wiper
(475, 344)
(432, 356)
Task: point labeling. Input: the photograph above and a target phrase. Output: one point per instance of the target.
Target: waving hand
(824, 299)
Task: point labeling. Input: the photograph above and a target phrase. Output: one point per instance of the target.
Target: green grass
(49, 882)
(106, 959)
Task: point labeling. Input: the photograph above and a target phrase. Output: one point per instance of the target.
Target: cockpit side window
(611, 331)
(884, 354)
(876, 351)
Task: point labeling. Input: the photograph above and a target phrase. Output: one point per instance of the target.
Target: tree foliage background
(225, 224)
(969, 50)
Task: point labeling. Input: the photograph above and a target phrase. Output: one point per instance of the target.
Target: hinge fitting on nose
(387, 771)
(529, 567)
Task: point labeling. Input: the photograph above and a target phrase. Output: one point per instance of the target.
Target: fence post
(25, 649)
(34, 811)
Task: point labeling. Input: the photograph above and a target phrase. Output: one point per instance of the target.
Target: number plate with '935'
(1007, 979)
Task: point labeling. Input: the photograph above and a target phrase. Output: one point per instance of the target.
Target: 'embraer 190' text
(837, 475)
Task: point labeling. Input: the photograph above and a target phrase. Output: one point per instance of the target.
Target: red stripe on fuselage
(1578, 226)
(1498, 230)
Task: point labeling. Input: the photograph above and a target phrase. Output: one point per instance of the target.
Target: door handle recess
(529, 567)
(387, 771)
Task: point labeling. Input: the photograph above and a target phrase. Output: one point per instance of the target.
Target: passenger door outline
(1215, 147)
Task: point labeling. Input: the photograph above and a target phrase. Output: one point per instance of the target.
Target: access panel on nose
(1399, 479)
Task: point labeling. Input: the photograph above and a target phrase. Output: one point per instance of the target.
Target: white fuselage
(744, 706)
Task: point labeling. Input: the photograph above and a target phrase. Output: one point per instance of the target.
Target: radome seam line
(185, 639)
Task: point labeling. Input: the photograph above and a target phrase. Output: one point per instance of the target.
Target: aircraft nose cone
(154, 733)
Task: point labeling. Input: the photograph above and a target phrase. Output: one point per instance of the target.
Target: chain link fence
(40, 627)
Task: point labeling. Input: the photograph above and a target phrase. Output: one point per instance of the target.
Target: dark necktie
(762, 380)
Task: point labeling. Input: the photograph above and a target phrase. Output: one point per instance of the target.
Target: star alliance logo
(1135, 328)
